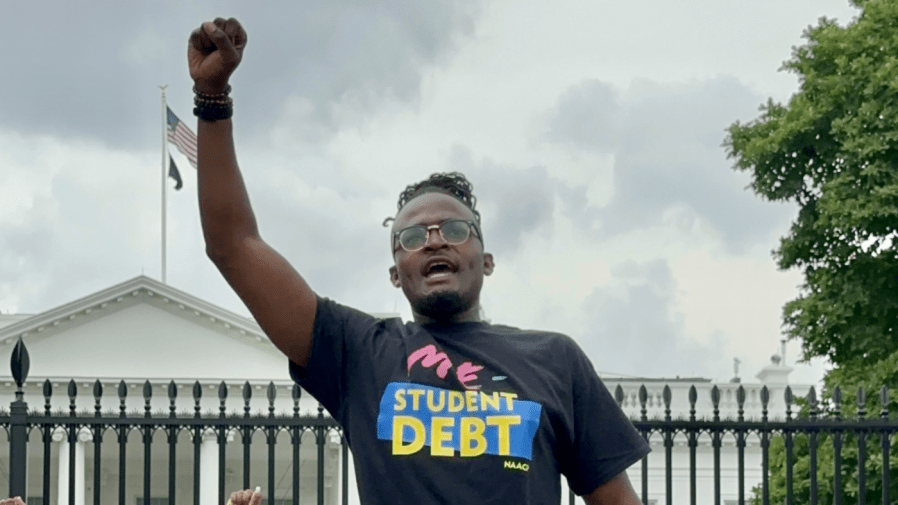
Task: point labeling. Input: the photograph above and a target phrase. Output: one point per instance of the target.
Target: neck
(471, 315)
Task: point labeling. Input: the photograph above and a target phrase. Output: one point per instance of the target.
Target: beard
(441, 306)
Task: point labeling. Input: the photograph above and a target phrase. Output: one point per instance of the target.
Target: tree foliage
(833, 150)
(881, 373)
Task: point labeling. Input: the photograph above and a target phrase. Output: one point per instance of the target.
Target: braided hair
(454, 184)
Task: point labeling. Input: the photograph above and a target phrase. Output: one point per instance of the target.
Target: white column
(332, 486)
(208, 469)
(62, 496)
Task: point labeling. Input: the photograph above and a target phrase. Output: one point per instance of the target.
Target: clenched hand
(213, 52)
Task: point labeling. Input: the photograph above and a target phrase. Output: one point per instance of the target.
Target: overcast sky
(591, 131)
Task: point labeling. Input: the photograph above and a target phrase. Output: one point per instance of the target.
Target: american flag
(182, 137)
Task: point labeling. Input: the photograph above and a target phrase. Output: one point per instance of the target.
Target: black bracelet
(213, 113)
(213, 107)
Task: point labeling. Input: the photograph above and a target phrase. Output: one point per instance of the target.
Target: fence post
(18, 430)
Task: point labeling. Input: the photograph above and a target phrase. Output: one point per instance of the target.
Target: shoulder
(550, 349)
(330, 312)
(353, 327)
(542, 339)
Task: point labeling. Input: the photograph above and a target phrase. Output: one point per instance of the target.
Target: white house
(143, 330)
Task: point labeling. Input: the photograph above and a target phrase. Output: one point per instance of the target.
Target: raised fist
(213, 52)
(12, 501)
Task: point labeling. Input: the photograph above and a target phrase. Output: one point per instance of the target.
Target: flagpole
(164, 173)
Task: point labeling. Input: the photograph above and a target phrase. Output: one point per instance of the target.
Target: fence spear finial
(19, 364)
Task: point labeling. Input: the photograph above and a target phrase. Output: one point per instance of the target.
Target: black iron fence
(21, 423)
(860, 429)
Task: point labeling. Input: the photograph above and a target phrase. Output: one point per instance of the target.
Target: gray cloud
(514, 201)
(666, 141)
(634, 328)
(82, 238)
(92, 70)
(341, 255)
(587, 116)
(65, 249)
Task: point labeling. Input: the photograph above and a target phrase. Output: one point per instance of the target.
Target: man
(447, 409)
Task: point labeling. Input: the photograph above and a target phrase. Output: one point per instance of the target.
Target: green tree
(833, 149)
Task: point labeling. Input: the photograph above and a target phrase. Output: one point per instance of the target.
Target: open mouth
(439, 268)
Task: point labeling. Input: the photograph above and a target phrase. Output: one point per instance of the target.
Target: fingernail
(258, 489)
(209, 27)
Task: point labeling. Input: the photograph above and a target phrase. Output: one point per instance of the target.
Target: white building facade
(773, 376)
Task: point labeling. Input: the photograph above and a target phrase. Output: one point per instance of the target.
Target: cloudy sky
(591, 131)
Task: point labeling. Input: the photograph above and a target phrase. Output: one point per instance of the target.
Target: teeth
(439, 268)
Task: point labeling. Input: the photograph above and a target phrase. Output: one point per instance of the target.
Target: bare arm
(617, 491)
(277, 296)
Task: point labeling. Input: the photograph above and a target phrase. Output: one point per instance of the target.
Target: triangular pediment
(144, 329)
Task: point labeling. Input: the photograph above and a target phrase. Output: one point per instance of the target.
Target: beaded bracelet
(218, 102)
(223, 94)
(213, 107)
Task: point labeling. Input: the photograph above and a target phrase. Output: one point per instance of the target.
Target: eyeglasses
(454, 232)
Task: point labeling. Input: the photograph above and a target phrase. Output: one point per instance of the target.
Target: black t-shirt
(465, 413)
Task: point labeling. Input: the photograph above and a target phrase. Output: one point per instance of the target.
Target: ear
(488, 264)
(394, 277)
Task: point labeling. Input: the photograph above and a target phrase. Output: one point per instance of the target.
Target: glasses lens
(455, 232)
(413, 238)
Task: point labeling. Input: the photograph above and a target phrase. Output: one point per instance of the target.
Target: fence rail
(19, 422)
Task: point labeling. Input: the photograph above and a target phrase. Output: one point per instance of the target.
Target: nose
(438, 242)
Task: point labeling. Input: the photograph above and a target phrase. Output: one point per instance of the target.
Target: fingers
(217, 36)
(256, 498)
(223, 34)
(244, 497)
(236, 33)
(214, 51)
(233, 30)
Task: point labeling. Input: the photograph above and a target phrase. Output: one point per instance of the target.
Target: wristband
(213, 107)
(213, 113)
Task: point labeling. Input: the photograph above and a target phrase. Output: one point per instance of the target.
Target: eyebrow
(439, 221)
